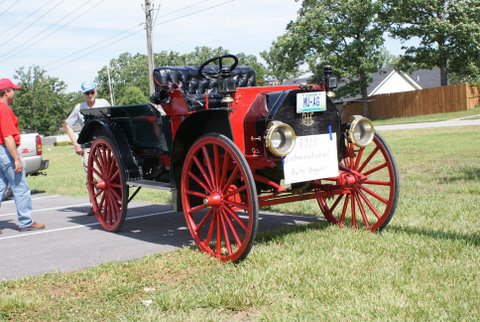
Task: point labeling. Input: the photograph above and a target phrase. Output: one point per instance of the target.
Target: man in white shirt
(89, 91)
(76, 118)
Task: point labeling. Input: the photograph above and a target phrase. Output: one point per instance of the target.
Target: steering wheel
(223, 72)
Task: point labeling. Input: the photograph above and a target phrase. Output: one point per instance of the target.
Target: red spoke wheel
(106, 184)
(219, 198)
(371, 200)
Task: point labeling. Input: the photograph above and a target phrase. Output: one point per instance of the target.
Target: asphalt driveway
(72, 240)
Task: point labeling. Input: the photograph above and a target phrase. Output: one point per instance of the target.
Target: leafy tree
(132, 95)
(448, 30)
(347, 34)
(277, 66)
(41, 104)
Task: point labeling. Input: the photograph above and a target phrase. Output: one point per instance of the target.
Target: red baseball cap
(5, 83)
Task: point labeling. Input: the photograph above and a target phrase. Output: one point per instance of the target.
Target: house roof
(427, 78)
(420, 79)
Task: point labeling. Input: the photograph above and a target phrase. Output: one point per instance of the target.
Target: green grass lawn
(429, 117)
(423, 266)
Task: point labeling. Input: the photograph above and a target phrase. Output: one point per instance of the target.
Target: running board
(151, 184)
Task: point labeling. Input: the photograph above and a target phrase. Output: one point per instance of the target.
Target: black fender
(99, 127)
(192, 128)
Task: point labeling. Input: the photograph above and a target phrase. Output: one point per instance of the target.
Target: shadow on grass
(463, 174)
(470, 239)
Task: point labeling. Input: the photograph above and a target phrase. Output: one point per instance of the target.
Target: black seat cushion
(195, 86)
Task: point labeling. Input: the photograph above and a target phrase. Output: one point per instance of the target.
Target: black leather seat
(195, 86)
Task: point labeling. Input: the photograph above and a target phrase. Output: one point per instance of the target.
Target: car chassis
(226, 148)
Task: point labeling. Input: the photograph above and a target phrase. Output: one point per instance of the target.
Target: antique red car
(226, 148)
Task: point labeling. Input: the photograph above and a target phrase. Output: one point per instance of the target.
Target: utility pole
(149, 29)
(112, 100)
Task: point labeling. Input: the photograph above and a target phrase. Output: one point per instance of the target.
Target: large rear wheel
(219, 198)
(106, 184)
(371, 201)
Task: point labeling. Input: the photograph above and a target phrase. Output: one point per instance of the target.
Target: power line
(193, 5)
(33, 42)
(196, 12)
(9, 7)
(93, 48)
(35, 21)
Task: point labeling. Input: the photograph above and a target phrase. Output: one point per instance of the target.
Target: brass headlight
(361, 131)
(280, 138)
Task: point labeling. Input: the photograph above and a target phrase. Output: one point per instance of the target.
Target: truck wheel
(370, 202)
(106, 184)
(219, 198)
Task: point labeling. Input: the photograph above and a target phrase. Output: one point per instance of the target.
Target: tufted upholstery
(195, 86)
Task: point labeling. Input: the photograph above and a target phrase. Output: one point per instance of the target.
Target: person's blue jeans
(18, 184)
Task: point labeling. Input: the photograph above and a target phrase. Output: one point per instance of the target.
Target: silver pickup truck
(31, 149)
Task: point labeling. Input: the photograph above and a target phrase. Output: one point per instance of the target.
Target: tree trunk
(443, 74)
(364, 92)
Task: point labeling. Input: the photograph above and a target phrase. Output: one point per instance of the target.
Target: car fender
(96, 128)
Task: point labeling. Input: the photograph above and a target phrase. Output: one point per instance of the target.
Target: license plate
(313, 157)
(311, 102)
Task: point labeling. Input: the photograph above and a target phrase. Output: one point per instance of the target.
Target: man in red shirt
(11, 168)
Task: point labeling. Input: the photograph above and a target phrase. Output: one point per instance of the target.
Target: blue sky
(72, 54)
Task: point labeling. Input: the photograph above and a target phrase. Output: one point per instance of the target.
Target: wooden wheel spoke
(224, 169)
(101, 204)
(210, 229)
(204, 220)
(236, 204)
(98, 158)
(234, 192)
(225, 234)
(236, 217)
(378, 183)
(97, 173)
(206, 159)
(204, 174)
(369, 204)
(344, 210)
(115, 174)
(197, 209)
(98, 193)
(219, 237)
(354, 216)
(196, 194)
(232, 228)
(233, 175)
(106, 208)
(116, 194)
(358, 158)
(216, 165)
(116, 185)
(372, 154)
(105, 160)
(197, 180)
(373, 194)
(362, 210)
(375, 169)
(114, 211)
(335, 204)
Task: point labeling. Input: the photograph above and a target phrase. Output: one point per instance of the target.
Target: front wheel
(106, 184)
(370, 202)
(219, 198)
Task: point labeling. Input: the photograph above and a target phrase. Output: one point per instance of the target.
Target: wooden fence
(459, 97)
